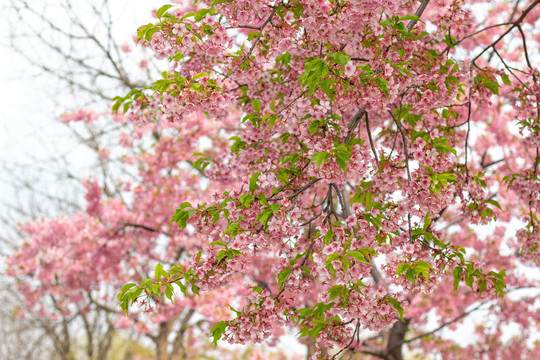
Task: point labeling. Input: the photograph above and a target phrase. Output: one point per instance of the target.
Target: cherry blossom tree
(42, 181)
(77, 317)
(362, 173)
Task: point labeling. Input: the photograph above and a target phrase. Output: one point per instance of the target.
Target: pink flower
(123, 323)
(409, 248)
(289, 17)
(350, 69)
(268, 303)
(126, 48)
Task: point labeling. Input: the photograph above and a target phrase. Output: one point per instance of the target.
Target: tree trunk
(395, 339)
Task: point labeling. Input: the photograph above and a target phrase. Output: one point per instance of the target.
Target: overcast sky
(26, 103)
(30, 103)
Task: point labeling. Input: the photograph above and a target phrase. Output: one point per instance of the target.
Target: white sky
(29, 129)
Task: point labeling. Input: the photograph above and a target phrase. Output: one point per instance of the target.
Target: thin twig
(467, 139)
(147, 228)
(257, 40)
(514, 24)
(298, 192)
(405, 148)
(370, 138)
(473, 34)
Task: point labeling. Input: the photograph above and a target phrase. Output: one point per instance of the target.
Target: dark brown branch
(370, 138)
(405, 147)
(311, 220)
(356, 330)
(473, 34)
(418, 13)
(257, 40)
(485, 166)
(514, 24)
(510, 70)
(525, 47)
(297, 192)
(442, 326)
(354, 123)
(467, 138)
(147, 228)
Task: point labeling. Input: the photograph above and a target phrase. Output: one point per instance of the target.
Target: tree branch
(418, 13)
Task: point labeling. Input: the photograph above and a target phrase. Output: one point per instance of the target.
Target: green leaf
(283, 276)
(185, 204)
(410, 17)
(181, 216)
(150, 32)
(335, 291)
(257, 289)
(401, 268)
(331, 258)
(493, 86)
(253, 182)
(158, 272)
(424, 264)
(411, 276)
(314, 127)
(271, 120)
(320, 157)
(342, 164)
(202, 13)
(169, 292)
(253, 35)
(396, 306)
(218, 330)
(505, 79)
(181, 286)
(284, 59)
(494, 202)
(383, 85)
(256, 103)
(246, 199)
(238, 144)
(125, 288)
(218, 242)
(340, 58)
(358, 256)
(457, 276)
(162, 10)
(427, 222)
(128, 294)
(328, 88)
(443, 148)
(422, 270)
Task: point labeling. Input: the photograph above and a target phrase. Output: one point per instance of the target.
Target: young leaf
(162, 10)
(396, 306)
(217, 331)
(283, 276)
(253, 182)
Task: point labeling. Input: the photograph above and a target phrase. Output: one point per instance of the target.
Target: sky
(30, 133)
